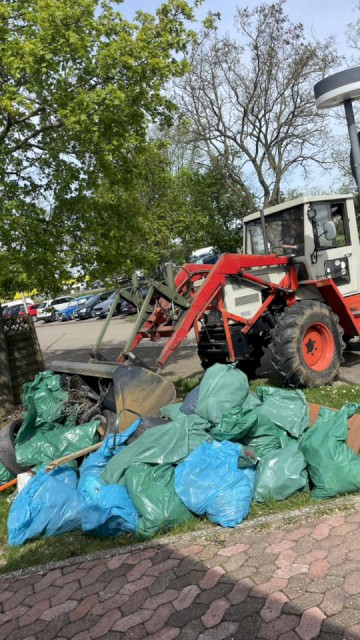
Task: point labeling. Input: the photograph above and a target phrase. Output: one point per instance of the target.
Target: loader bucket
(130, 390)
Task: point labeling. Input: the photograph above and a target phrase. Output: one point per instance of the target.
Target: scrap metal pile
(210, 456)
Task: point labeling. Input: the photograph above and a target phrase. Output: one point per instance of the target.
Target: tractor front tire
(307, 345)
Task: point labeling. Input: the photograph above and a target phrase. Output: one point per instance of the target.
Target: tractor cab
(318, 233)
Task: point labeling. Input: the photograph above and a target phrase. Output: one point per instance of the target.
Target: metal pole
(24, 303)
(105, 326)
(354, 140)
(263, 226)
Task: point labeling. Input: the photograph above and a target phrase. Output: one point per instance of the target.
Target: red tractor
(295, 290)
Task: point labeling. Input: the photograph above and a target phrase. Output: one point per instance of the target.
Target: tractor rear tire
(307, 345)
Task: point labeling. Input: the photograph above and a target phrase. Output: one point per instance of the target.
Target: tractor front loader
(295, 290)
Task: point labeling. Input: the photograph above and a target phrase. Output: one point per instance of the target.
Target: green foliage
(80, 85)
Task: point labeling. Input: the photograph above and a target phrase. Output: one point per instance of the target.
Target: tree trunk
(6, 396)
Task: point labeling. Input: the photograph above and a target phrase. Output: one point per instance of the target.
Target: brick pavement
(292, 582)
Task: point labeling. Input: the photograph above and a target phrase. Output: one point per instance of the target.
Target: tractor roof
(298, 201)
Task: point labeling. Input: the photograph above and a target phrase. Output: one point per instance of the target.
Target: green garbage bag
(287, 409)
(166, 444)
(151, 488)
(43, 400)
(251, 401)
(5, 475)
(280, 473)
(222, 388)
(45, 446)
(333, 467)
(264, 437)
(172, 411)
(235, 425)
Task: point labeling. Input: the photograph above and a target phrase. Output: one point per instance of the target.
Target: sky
(321, 18)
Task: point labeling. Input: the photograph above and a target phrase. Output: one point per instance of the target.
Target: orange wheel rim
(318, 347)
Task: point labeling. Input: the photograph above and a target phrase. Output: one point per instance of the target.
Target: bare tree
(250, 100)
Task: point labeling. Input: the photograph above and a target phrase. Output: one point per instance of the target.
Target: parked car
(127, 309)
(32, 310)
(87, 310)
(13, 311)
(74, 305)
(47, 311)
(102, 309)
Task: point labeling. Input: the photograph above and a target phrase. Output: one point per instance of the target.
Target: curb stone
(317, 510)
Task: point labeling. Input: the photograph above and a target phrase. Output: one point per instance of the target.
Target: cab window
(334, 211)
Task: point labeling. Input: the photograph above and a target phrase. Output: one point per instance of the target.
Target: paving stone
(321, 531)
(294, 570)
(186, 597)
(37, 627)
(275, 584)
(47, 580)
(318, 569)
(13, 614)
(352, 583)
(310, 623)
(192, 550)
(117, 561)
(321, 586)
(215, 613)
(240, 591)
(273, 606)
(223, 631)
(296, 534)
(111, 603)
(131, 621)
(249, 628)
(336, 520)
(113, 587)
(182, 617)
(239, 574)
(34, 598)
(221, 590)
(167, 633)
(17, 598)
(71, 629)
(283, 624)
(194, 577)
(286, 559)
(60, 609)
(250, 607)
(8, 628)
(162, 598)
(186, 565)
(70, 576)
(130, 588)
(191, 630)
(63, 594)
(138, 570)
(305, 601)
(345, 618)
(34, 613)
(278, 547)
(105, 623)
(162, 583)
(157, 569)
(137, 556)
(264, 573)
(134, 602)
(333, 601)
(211, 577)
(159, 618)
(353, 633)
(209, 551)
(234, 549)
(83, 608)
(234, 562)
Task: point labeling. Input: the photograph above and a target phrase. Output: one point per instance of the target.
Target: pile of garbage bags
(221, 449)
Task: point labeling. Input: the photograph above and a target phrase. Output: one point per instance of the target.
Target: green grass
(76, 543)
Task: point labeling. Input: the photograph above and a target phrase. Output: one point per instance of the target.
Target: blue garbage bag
(107, 510)
(210, 483)
(190, 402)
(46, 505)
